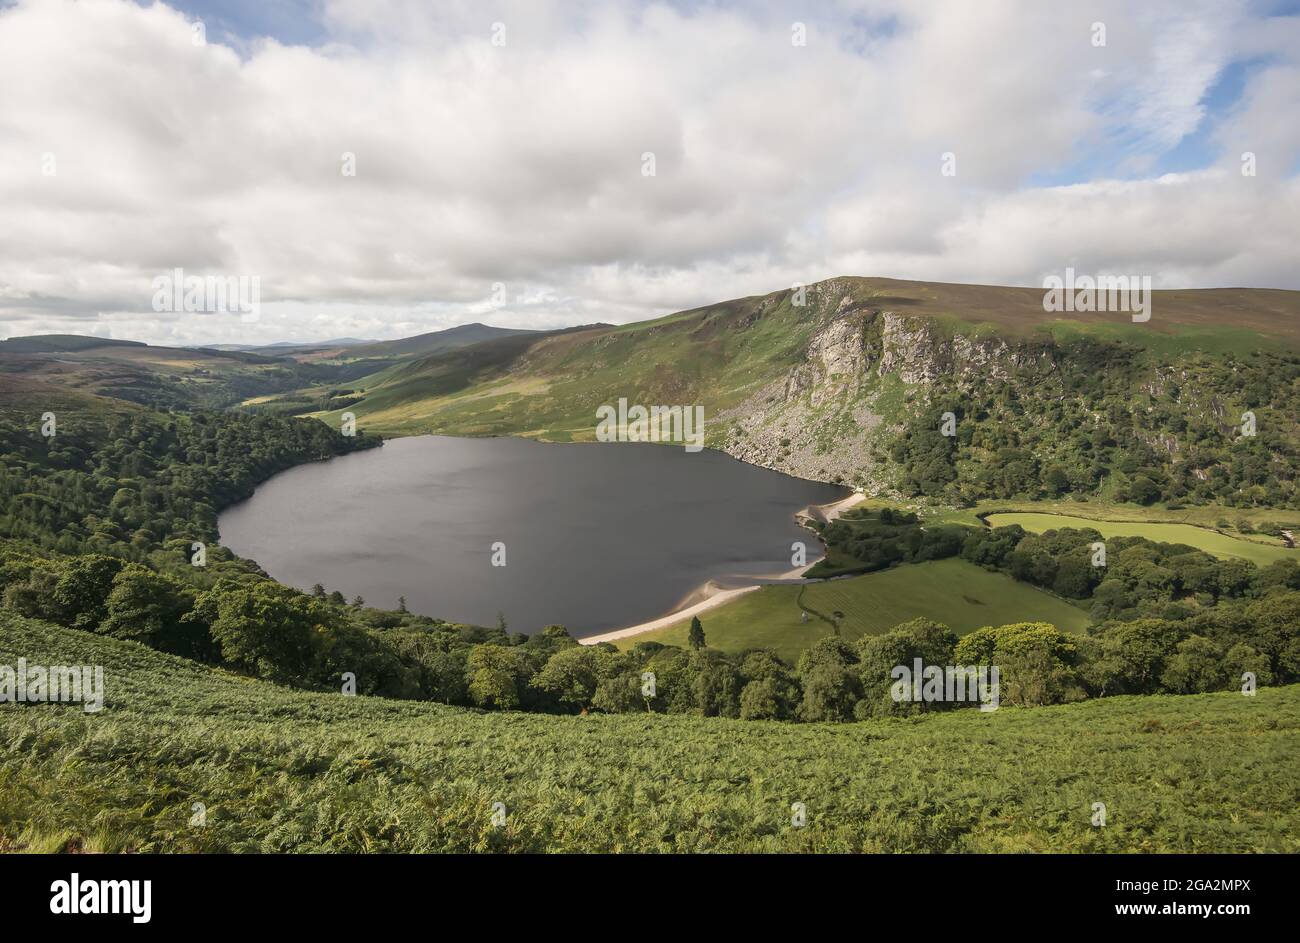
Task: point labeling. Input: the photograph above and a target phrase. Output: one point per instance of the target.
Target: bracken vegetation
(279, 771)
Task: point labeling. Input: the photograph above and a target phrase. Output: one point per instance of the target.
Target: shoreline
(714, 595)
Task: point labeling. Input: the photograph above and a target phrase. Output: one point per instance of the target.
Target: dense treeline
(1107, 421)
(133, 483)
(316, 641)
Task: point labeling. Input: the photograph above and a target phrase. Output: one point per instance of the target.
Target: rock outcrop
(824, 419)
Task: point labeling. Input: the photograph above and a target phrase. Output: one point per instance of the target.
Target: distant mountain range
(216, 376)
(299, 345)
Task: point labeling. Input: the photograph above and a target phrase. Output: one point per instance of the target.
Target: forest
(1116, 426)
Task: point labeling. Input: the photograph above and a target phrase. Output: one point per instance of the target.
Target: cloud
(522, 164)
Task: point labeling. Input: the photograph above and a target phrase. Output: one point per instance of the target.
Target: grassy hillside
(59, 343)
(716, 353)
(552, 386)
(958, 594)
(463, 335)
(849, 383)
(286, 771)
(1211, 541)
(162, 377)
(1196, 315)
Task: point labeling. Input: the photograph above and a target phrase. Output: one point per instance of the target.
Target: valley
(970, 546)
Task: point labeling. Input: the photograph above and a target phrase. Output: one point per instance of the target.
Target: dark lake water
(597, 536)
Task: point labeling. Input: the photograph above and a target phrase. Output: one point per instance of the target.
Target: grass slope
(717, 355)
(1211, 541)
(162, 377)
(961, 595)
(289, 771)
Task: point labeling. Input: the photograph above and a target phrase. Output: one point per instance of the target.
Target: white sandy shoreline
(715, 595)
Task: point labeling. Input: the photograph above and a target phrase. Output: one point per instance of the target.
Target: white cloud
(522, 164)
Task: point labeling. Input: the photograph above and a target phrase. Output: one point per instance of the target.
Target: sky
(381, 168)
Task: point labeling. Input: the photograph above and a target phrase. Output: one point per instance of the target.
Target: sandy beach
(711, 594)
(714, 596)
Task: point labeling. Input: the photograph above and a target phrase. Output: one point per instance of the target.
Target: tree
(445, 676)
(82, 589)
(1276, 623)
(715, 684)
(1074, 578)
(266, 629)
(1241, 658)
(619, 690)
(1035, 662)
(495, 675)
(695, 638)
(401, 604)
(771, 691)
(1056, 481)
(144, 606)
(1196, 667)
(828, 675)
(878, 655)
(571, 675)
(1133, 656)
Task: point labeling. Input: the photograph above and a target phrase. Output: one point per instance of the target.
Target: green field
(962, 596)
(280, 770)
(1211, 541)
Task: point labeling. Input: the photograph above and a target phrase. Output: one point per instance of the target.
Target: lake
(596, 536)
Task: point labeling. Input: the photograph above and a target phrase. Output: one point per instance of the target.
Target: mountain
(161, 377)
(852, 386)
(462, 335)
(59, 343)
(280, 346)
(224, 375)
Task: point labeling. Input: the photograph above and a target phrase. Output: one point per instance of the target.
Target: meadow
(958, 594)
(277, 770)
(1203, 538)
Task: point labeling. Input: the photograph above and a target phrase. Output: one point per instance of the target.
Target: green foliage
(695, 637)
(126, 484)
(1107, 419)
(148, 607)
(572, 675)
(264, 629)
(286, 771)
(497, 676)
(1036, 662)
(878, 655)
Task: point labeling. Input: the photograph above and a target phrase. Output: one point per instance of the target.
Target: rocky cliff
(866, 366)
